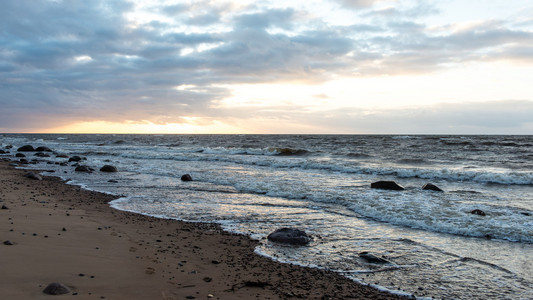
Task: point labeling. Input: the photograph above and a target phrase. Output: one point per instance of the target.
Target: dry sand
(61, 233)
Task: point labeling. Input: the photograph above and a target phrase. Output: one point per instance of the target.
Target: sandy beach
(54, 232)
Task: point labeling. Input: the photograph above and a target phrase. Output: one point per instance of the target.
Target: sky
(266, 67)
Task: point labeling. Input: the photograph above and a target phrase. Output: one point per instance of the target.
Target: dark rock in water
(8, 146)
(387, 185)
(371, 258)
(108, 168)
(526, 214)
(13, 164)
(56, 289)
(8, 243)
(40, 154)
(186, 177)
(84, 169)
(63, 164)
(32, 175)
(75, 158)
(289, 236)
(26, 148)
(20, 155)
(4, 207)
(478, 212)
(3, 152)
(43, 149)
(431, 187)
(113, 181)
(24, 161)
(62, 155)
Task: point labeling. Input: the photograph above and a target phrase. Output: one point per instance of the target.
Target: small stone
(186, 177)
(108, 168)
(4, 207)
(56, 289)
(478, 212)
(432, 187)
(8, 243)
(387, 185)
(215, 262)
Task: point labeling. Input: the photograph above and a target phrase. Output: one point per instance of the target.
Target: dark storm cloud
(84, 60)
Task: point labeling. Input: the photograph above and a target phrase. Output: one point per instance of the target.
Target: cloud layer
(69, 61)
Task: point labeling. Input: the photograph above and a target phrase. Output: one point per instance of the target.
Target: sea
(434, 246)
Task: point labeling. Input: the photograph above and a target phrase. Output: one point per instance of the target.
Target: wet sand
(62, 233)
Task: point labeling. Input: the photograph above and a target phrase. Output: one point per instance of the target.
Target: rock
(3, 152)
(186, 177)
(20, 155)
(8, 146)
(26, 148)
(8, 243)
(56, 289)
(75, 158)
(83, 169)
(289, 236)
(62, 155)
(113, 181)
(4, 207)
(13, 165)
(32, 175)
(478, 212)
(387, 185)
(40, 154)
(43, 149)
(431, 187)
(371, 258)
(108, 168)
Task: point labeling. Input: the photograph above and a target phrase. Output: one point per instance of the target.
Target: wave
(435, 173)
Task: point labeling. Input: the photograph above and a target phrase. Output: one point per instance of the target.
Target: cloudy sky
(289, 66)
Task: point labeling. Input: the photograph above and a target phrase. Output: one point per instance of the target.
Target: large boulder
(56, 289)
(432, 187)
(290, 236)
(32, 175)
(26, 148)
(387, 185)
(186, 177)
(43, 149)
(108, 168)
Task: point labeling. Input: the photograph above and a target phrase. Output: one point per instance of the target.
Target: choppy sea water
(253, 184)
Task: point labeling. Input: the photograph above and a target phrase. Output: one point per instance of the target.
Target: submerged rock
(84, 169)
(186, 177)
(387, 185)
(371, 258)
(432, 187)
(75, 158)
(478, 212)
(41, 154)
(26, 148)
(20, 155)
(32, 175)
(108, 168)
(290, 236)
(56, 288)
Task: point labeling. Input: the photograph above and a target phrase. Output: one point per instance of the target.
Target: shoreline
(63, 233)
